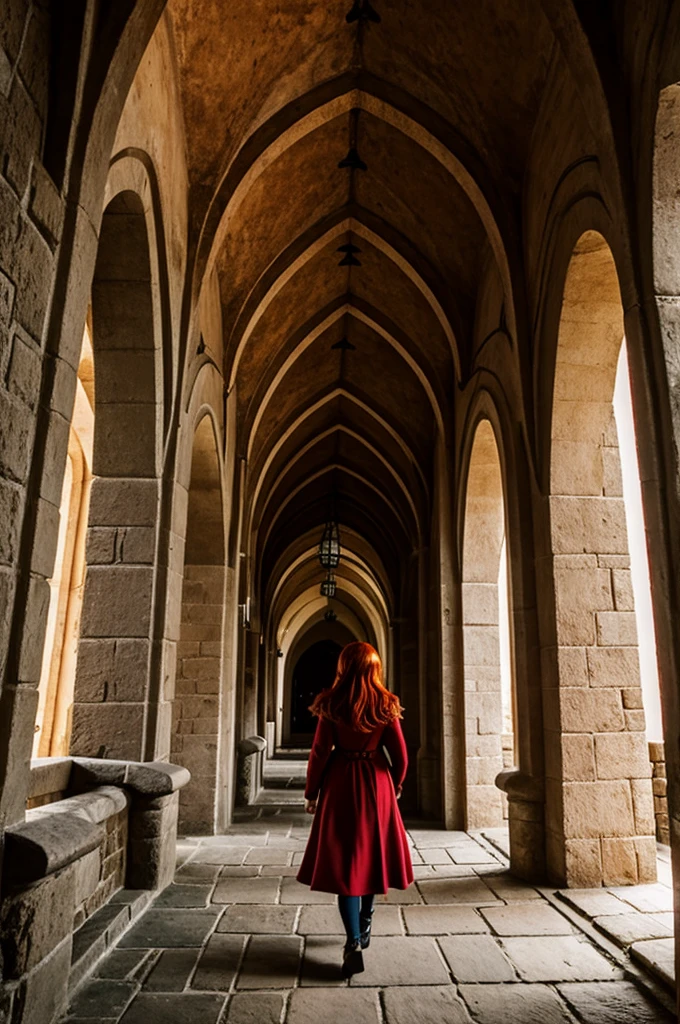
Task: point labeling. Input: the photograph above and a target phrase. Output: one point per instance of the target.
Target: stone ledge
(148, 778)
(43, 845)
(49, 775)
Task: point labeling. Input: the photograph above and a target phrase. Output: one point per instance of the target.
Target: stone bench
(79, 868)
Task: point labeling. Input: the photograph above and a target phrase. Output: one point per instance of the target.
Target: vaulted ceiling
(350, 182)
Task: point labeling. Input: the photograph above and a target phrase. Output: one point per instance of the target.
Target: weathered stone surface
(124, 963)
(343, 1006)
(172, 970)
(326, 920)
(447, 920)
(170, 928)
(257, 919)
(102, 998)
(402, 961)
(658, 955)
(456, 890)
(183, 896)
(627, 928)
(180, 1008)
(612, 1003)
(46, 843)
(36, 920)
(559, 958)
(515, 1004)
(246, 890)
(476, 958)
(218, 963)
(322, 960)
(293, 891)
(427, 1005)
(42, 994)
(531, 919)
(270, 962)
(255, 1008)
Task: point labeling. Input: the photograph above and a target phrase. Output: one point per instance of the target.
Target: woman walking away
(357, 846)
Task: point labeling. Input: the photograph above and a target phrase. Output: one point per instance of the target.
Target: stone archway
(489, 691)
(196, 710)
(599, 811)
(112, 675)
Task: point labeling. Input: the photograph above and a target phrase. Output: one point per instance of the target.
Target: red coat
(357, 844)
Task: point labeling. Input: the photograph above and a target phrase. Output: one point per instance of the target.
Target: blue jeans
(355, 912)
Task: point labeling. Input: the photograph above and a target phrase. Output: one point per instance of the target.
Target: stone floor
(237, 940)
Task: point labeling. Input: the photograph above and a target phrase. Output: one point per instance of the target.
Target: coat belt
(357, 755)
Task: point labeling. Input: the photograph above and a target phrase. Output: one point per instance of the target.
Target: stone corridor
(237, 940)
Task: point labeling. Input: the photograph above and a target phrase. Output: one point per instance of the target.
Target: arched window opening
(197, 707)
(115, 647)
(489, 686)
(55, 691)
(599, 809)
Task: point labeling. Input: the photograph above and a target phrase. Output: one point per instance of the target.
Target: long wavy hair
(358, 696)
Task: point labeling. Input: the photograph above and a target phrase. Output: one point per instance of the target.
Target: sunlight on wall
(632, 494)
(504, 641)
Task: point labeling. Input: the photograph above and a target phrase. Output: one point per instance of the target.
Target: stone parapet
(68, 867)
(251, 754)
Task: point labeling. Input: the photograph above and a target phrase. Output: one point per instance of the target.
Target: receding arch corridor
(321, 323)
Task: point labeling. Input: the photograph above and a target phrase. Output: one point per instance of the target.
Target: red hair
(358, 696)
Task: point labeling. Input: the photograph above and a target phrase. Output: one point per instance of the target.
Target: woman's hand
(310, 806)
(397, 792)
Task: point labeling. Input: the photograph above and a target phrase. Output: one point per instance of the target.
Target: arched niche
(197, 707)
(310, 668)
(599, 809)
(489, 688)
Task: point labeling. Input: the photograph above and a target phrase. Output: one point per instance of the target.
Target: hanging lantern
(329, 547)
(328, 586)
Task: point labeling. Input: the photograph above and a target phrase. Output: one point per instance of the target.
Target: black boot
(352, 959)
(365, 936)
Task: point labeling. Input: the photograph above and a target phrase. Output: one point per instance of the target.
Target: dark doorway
(314, 671)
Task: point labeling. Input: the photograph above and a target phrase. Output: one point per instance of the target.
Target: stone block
(42, 993)
(632, 699)
(171, 929)
(404, 961)
(619, 862)
(611, 1002)
(218, 963)
(11, 499)
(178, 1007)
(623, 590)
(657, 956)
(578, 758)
(102, 997)
(444, 920)
(265, 920)
(594, 809)
(635, 720)
(117, 601)
(484, 807)
(250, 890)
(481, 645)
(643, 808)
(559, 958)
(255, 1008)
(616, 629)
(270, 962)
(572, 666)
(534, 918)
(87, 873)
(480, 604)
(23, 374)
(35, 920)
(124, 502)
(645, 850)
(591, 711)
(107, 730)
(137, 545)
(589, 525)
(579, 593)
(515, 1004)
(476, 958)
(622, 755)
(101, 545)
(343, 1006)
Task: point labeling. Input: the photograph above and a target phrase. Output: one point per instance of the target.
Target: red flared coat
(357, 845)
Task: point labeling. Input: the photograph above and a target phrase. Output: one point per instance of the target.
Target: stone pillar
(112, 673)
(600, 823)
(196, 708)
(657, 757)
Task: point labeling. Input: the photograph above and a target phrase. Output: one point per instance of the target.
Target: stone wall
(196, 708)
(657, 756)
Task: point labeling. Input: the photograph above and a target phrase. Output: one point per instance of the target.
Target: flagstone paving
(237, 940)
